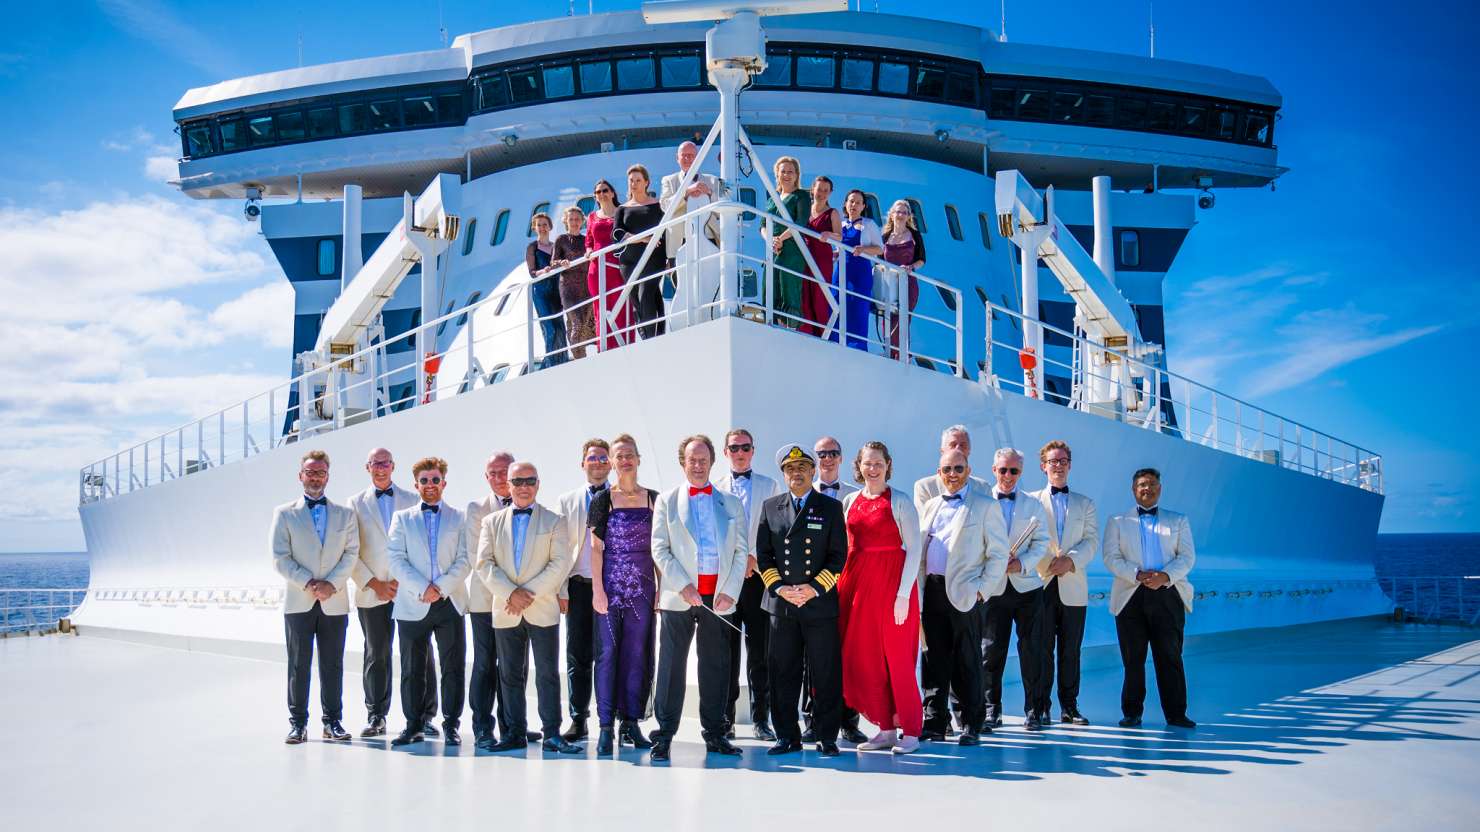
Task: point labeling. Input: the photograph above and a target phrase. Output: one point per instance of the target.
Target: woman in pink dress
(829, 225)
(599, 227)
(879, 605)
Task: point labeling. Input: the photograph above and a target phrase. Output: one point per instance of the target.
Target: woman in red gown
(879, 605)
(829, 225)
(599, 226)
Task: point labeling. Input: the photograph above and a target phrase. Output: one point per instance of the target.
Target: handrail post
(603, 321)
(960, 339)
(200, 444)
(272, 418)
(840, 259)
(146, 465)
(221, 433)
(767, 302)
(902, 304)
(180, 452)
(987, 355)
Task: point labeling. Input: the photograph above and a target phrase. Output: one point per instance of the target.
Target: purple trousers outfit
(623, 663)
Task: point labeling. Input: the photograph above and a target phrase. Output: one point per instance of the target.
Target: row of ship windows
(841, 70)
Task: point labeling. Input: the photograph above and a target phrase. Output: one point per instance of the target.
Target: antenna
(300, 46)
(1151, 23)
(441, 29)
(1002, 30)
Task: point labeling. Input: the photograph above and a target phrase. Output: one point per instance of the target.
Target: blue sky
(1346, 298)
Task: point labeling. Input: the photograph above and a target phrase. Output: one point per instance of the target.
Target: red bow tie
(707, 489)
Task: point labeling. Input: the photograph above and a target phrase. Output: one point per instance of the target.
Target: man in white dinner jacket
(1150, 552)
(483, 680)
(700, 548)
(574, 507)
(1073, 542)
(429, 558)
(315, 544)
(702, 281)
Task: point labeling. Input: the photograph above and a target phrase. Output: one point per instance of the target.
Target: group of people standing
(802, 299)
(831, 589)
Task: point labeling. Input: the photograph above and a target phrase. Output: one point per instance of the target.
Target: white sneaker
(880, 741)
(907, 745)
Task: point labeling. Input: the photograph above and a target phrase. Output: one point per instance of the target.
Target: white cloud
(265, 312)
(158, 24)
(161, 168)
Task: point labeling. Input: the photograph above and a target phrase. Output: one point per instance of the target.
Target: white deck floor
(1355, 725)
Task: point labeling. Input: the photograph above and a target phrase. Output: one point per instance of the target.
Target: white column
(353, 259)
(1032, 334)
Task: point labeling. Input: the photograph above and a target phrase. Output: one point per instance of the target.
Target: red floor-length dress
(598, 236)
(815, 310)
(879, 656)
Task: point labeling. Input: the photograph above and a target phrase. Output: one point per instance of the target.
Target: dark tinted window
(635, 74)
(328, 258)
(469, 236)
(354, 118)
(596, 76)
(961, 88)
(320, 122)
(1099, 110)
(450, 108)
(1033, 104)
(930, 83)
(778, 71)
(1256, 128)
(894, 79)
(1225, 124)
(385, 115)
(1130, 248)
(492, 91)
(587, 204)
(289, 126)
(472, 299)
(1194, 120)
(1003, 103)
(1161, 115)
(421, 111)
(500, 227)
(871, 207)
(815, 71)
(680, 71)
(560, 81)
(524, 85)
(198, 140)
(919, 211)
(858, 74)
(954, 222)
(986, 229)
(233, 135)
(1130, 114)
(259, 130)
(1068, 107)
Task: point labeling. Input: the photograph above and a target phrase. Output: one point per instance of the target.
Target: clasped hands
(322, 590)
(699, 188)
(796, 595)
(519, 601)
(432, 594)
(384, 590)
(722, 602)
(1061, 565)
(1152, 579)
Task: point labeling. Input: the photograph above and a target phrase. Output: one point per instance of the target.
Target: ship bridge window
(492, 92)
(560, 81)
(259, 130)
(500, 228)
(596, 77)
(1068, 107)
(1194, 120)
(919, 211)
(1033, 105)
(961, 89)
(198, 140)
(930, 82)
(524, 85)
(954, 221)
(986, 229)
(1130, 248)
(858, 74)
(1161, 116)
(328, 257)
(450, 108)
(1002, 103)
(1099, 110)
(542, 208)
(421, 111)
(385, 115)
(778, 70)
(635, 74)
(894, 78)
(815, 71)
(680, 70)
(472, 299)
(1130, 114)
(1225, 124)
(1256, 128)
(470, 236)
(354, 118)
(289, 126)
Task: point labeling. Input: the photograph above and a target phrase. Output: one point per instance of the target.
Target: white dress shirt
(937, 550)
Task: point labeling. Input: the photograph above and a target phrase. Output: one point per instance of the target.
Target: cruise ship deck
(1358, 724)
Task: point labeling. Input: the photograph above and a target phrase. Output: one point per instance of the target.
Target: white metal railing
(1176, 405)
(401, 372)
(32, 609)
(1435, 598)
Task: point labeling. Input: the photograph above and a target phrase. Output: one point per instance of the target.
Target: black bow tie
(1057, 490)
(829, 486)
(957, 497)
(596, 489)
(436, 509)
(310, 503)
(1011, 495)
(385, 492)
(527, 510)
(504, 501)
(1144, 511)
(744, 475)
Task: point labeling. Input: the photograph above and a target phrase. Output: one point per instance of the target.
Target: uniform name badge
(817, 526)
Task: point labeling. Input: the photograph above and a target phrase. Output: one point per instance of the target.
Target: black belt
(580, 579)
(935, 579)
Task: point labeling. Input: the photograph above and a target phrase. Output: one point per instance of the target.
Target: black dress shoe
(604, 741)
(577, 731)
(721, 745)
(1130, 722)
(809, 735)
(375, 728)
(931, 735)
(1073, 717)
(730, 733)
(450, 736)
(559, 745)
(482, 737)
(510, 744)
(660, 750)
(533, 736)
(631, 734)
(1182, 722)
(1032, 723)
(297, 735)
(430, 730)
(763, 732)
(853, 735)
(408, 736)
(784, 746)
(968, 738)
(334, 731)
(994, 721)
(827, 749)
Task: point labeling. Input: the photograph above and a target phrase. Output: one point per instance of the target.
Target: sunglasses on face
(1013, 471)
(604, 191)
(599, 459)
(740, 449)
(829, 454)
(953, 469)
(523, 482)
(429, 480)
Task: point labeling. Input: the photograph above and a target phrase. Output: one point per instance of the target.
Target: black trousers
(379, 626)
(514, 646)
(302, 630)
(1153, 617)
(848, 718)
(581, 645)
(445, 624)
(673, 661)
(755, 622)
(790, 641)
(1003, 612)
(1062, 631)
(953, 660)
(483, 682)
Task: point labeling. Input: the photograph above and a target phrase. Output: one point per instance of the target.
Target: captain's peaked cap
(792, 452)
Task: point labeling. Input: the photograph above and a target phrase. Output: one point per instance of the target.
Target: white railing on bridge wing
(36, 609)
(491, 346)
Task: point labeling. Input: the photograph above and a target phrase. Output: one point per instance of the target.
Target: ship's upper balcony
(910, 86)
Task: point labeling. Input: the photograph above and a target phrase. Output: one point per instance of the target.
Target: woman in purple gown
(623, 594)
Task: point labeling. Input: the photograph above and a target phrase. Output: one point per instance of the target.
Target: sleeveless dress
(879, 656)
(858, 277)
(901, 254)
(815, 307)
(624, 656)
(599, 230)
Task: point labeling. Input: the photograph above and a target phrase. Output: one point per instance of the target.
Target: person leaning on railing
(905, 248)
(544, 286)
(642, 212)
(580, 322)
(790, 265)
(824, 220)
(857, 278)
(605, 271)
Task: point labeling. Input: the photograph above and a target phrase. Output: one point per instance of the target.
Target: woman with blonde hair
(905, 248)
(790, 264)
(879, 606)
(580, 323)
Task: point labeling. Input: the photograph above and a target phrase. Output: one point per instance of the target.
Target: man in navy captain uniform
(800, 548)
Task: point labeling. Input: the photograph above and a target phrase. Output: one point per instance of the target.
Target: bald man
(702, 278)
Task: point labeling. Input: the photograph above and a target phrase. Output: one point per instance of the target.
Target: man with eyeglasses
(375, 600)
(1015, 601)
(751, 489)
(429, 558)
(483, 681)
(315, 545)
(966, 552)
(953, 438)
(1073, 541)
(1150, 552)
(524, 556)
(581, 643)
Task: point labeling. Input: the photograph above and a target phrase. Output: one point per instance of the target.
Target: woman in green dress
(786, 289)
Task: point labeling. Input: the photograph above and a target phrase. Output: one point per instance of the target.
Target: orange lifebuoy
(1028, 358)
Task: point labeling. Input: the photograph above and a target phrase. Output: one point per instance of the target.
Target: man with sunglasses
(483, 681)
(1015, 601)
(966, 552)
(524, 556)
(751, 489)
(581, 643)
(1073, 541)
(953, 438)
(374, 601)
(428, 551)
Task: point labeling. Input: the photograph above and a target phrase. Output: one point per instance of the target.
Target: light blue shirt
(387, 505)
(937, 550)
(740, 487)
(1060, 508)
(1152, 559)
(433, 521)
(521, 530)
(1008, 506)
(320, 515)
(702, 505)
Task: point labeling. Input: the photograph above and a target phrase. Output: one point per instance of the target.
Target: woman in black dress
(640, 213)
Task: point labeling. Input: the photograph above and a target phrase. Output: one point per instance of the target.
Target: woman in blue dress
(864, 236)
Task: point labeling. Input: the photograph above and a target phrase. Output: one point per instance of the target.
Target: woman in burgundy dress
(599, 227)
(904, 247)
(580, 322)
(879, 605)
(825, 220)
